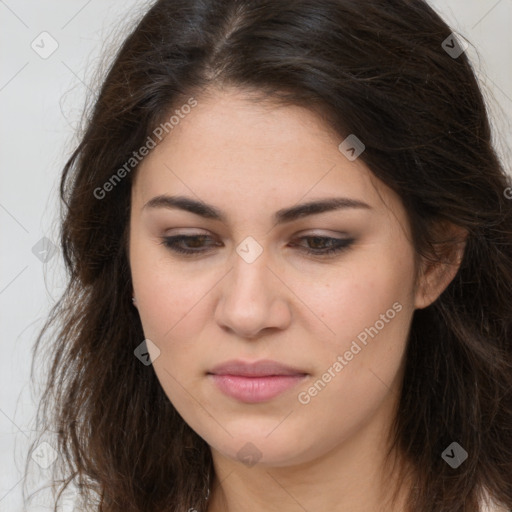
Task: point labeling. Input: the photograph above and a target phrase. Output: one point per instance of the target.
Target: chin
(254, 445)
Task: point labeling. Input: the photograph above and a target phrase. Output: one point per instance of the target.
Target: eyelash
(340, 244)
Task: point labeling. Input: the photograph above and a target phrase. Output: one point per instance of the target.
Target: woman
(289, 250)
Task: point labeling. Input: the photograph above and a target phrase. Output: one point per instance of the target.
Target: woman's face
(249, 291)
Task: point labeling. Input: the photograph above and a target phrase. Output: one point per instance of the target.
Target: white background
(41, 102)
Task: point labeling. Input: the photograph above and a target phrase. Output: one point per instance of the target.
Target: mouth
(255, 382)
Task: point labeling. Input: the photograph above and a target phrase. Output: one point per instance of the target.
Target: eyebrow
(280, 217)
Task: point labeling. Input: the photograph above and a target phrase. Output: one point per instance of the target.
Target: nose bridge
(249, 282)
(251, 296)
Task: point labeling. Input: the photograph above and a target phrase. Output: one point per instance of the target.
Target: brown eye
(186, 244)
(316, 245)
(322, 245)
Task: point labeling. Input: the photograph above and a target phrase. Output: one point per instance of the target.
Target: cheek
(359, 366)
(360, 295)
(174, 306)
(368, 307)
(169, 305)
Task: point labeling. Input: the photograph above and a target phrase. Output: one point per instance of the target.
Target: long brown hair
(379, 69)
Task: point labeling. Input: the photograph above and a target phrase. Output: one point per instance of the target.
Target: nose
(253, 299)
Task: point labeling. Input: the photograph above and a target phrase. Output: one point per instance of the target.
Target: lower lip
(255, 389)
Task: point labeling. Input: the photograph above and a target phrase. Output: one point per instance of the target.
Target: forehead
(230, 149)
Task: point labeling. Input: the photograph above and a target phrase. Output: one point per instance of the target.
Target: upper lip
(265, 367)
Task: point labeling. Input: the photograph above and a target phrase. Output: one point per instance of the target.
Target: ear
(435, 275)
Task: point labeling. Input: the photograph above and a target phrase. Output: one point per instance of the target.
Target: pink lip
(255, 382)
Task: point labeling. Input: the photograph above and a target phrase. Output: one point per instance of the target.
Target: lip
(254, 382)
(261, 368)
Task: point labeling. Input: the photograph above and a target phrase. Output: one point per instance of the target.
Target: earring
(134, 300)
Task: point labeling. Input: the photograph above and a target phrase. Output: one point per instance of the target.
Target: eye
(194, 244)
(324, 245)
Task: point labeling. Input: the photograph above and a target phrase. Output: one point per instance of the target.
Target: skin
(250, 160)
